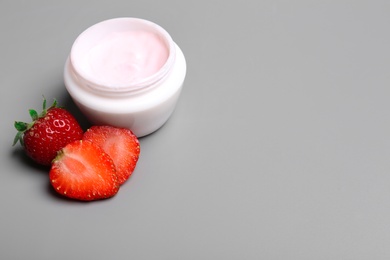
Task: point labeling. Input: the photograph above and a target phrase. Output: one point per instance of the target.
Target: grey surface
(279, 147)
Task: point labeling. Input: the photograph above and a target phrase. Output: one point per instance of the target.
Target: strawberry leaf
(54, 103)
(34, 115)
(44, 104)
(21, 126)
(18, 138)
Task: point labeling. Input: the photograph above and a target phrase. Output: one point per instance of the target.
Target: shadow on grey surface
(18, 154)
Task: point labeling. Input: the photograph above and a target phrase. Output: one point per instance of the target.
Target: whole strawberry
(49, 132)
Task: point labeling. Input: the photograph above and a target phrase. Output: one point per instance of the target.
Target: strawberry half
(120, 143)
(49, 131)
(83, 171)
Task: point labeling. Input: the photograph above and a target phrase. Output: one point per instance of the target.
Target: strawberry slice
(120, 143)
(83, 171)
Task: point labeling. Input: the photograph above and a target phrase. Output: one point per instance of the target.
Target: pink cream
(123, 58)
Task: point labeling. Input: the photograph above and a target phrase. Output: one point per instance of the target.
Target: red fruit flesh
(83, 171)
(120, 143)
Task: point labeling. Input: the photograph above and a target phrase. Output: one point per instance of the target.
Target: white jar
(119, 48)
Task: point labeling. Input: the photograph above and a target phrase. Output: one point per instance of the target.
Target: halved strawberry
(83, 171)
(120, 143)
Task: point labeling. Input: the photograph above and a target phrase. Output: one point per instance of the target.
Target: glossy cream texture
(122, 58)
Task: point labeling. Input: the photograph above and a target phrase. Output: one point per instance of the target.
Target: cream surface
(123, 58)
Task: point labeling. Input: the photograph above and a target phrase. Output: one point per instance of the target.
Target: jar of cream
(125, 72)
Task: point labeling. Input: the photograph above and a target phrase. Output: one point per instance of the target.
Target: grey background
(279, 147)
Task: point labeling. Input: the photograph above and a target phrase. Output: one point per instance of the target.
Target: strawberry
(49, 131)
(120, 143)
(83, 171)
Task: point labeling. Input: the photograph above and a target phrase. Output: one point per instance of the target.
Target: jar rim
(112, 25)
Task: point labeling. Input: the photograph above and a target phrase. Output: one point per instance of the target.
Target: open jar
(125, 72)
